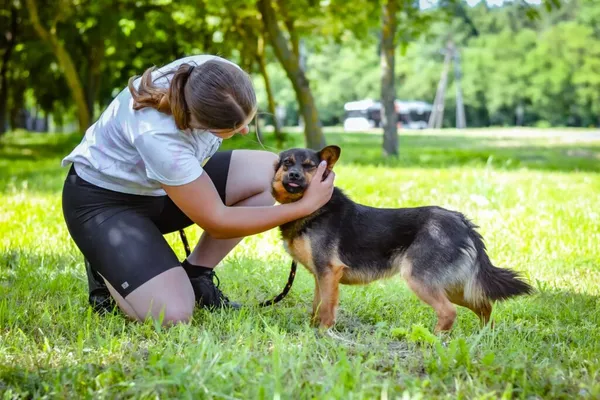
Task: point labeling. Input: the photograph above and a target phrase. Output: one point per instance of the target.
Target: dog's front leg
(316, 303)
(328, 281)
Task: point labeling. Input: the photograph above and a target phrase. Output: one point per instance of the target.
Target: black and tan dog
(438, 252)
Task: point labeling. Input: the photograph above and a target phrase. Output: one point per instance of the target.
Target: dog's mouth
(294, 186)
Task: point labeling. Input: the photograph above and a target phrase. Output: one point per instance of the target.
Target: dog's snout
(294, 175)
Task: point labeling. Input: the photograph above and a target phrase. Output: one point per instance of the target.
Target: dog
(437, 251)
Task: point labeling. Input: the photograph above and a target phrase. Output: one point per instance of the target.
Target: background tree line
(64, 60)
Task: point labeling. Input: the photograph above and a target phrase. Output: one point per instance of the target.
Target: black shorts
(121, 235)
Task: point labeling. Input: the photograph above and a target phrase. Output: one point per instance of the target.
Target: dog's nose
(293, 175)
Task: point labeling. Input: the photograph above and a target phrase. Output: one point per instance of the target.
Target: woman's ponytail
(169, 100)
(176, 96)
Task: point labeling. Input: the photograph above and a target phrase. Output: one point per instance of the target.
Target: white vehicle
(413, 114)
(362, 115)
(366, 114)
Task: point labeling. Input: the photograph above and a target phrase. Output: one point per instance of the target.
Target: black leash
(286, 289)
(275, 299)
(186, 244)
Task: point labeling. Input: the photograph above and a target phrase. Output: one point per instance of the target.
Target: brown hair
(219, 95)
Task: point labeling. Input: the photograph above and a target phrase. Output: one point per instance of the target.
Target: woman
(141, 172)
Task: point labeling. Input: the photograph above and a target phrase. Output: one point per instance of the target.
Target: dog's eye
(287, 162)
(309, 166)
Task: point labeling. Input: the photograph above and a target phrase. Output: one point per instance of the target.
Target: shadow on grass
(78, 378)
(443, 151)
(37, 146)
(37, 282)
(35, 158)
(32, 160)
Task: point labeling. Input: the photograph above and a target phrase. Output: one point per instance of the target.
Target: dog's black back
(369, 240)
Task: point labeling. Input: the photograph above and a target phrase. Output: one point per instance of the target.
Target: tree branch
(289, 24)
(280, 45)
(65, 61)
(35, 21)
(11, 37)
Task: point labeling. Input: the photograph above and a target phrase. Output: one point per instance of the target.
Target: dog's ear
(331, 154)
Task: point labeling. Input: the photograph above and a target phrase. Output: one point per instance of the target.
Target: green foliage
(549, 66)
(544, 60)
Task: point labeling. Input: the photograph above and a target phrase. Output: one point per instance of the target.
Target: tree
(243, 30)
(402, 23)
(287, 52)
(388, 87)
(262, 65)
(10, 40)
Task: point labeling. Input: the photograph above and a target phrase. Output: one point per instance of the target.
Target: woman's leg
(168, 295)
(248, 184)
(139, 267)
(141, 270)
(126, 248)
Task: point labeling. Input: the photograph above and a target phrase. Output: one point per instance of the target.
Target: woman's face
(229, 133)
(243, 130)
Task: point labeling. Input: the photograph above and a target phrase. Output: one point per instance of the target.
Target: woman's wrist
(301, 208)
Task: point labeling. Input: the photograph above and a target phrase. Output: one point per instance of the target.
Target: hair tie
(190, 70)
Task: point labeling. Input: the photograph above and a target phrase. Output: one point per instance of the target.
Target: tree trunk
(289, 24)
(66, 63)
(17, 89)
(46, 121)
(461, 119)
(262, 64)
(436, 119)
(10, 35)
(389, 116)
(291, 63)
(95, 58)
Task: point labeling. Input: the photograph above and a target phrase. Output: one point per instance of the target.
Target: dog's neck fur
(296, 227)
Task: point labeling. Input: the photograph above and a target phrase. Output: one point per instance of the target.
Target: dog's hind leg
(430, 293)
(328, 286)
(437, 299)
(483, 309)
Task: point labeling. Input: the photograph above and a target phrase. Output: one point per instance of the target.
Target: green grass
(535, 198)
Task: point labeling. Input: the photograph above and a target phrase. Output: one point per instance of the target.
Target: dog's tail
(495, 283)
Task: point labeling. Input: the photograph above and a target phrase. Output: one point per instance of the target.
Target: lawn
(535, 195)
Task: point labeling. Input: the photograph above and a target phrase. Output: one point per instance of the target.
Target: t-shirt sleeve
(168, 158)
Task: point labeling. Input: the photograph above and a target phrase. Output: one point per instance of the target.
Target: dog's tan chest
(300, 250)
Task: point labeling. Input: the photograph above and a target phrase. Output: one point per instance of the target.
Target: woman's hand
(319, 190)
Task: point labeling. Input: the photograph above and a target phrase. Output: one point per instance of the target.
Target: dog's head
(295, 169)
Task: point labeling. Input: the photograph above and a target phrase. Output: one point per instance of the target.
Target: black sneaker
(99, 297)
(208, 294)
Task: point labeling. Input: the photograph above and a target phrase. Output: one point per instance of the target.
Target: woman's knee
(168, 297)
(169, 313)
(178, 313)
(251, 173)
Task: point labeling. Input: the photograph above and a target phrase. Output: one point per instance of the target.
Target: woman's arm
(200, 201)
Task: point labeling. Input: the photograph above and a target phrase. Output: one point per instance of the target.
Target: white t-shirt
(134, 152)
